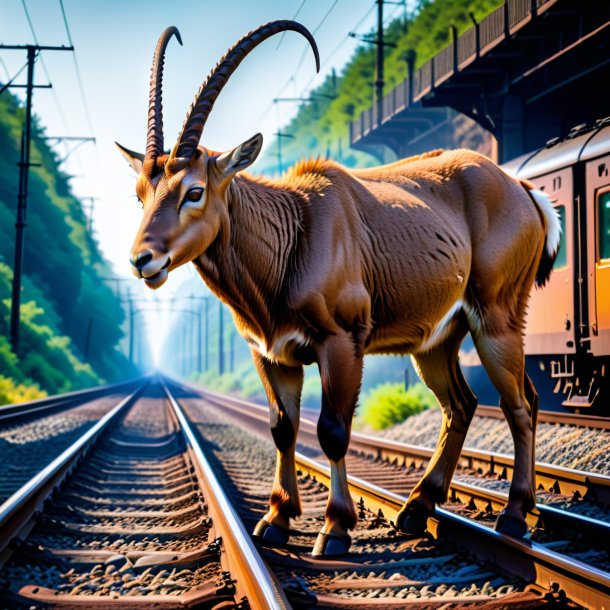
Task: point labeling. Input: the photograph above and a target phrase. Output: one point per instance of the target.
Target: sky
(114, 42)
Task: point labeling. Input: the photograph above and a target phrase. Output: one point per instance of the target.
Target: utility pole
(205, 299)
(185, 346)
(89, 211)
(221, 368)
(381, 45)
(22, 197)
(207, 333)
(280, 135)
(232, 351)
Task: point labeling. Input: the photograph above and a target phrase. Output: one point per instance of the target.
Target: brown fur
(328, 264)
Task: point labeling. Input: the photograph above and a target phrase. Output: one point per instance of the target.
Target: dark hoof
(413, 519)
(511, 526)
(331, 545)
(270, 534)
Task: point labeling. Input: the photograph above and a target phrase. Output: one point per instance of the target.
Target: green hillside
(321, 127)
(63, 293)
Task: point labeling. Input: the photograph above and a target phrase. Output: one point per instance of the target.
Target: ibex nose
(141, 259)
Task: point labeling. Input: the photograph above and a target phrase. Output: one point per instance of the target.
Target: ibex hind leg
(283, 387)
(440, 370)
(502, 355)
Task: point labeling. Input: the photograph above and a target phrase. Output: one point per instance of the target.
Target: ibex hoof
(331, 545)
(413, 519)
(270, 534)
(510, 525)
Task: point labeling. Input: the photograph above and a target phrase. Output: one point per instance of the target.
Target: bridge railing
(473, 43)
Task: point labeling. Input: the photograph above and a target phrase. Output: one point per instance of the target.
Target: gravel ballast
(559, 444)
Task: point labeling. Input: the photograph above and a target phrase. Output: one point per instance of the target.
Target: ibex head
(183, 193)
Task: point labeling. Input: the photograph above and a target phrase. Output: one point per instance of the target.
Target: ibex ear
(133, 158)
(233, 161)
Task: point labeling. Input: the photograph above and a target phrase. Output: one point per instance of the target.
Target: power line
(77, 68)
(60, 110)
(315, 31)
(10, 81)
(324, 62)
(336, 49)
(8, 74)
(293, 18)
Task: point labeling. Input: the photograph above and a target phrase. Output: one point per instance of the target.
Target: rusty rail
(581, 583)
(259, 586)
(17, 511)
(51, 404)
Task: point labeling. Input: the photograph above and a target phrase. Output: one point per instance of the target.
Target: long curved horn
(154, 139)
(208, 92)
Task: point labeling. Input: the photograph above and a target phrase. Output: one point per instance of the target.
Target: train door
(550, 318)
(598, 254)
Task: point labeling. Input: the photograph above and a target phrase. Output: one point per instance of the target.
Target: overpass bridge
(527, 73)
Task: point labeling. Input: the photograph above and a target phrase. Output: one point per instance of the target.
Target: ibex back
(328, 264)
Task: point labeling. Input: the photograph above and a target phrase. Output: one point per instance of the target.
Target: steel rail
(553, 417)
(531, 561)
(16, 512)
(558, 479)
(258, 585)
(588, 528)
(564, 521)
(49, 404)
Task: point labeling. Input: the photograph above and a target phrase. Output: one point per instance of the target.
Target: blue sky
(114, 41)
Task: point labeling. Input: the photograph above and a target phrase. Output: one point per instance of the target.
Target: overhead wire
(324, 62)
(77, 69)
(293, 18)
(60, 110)
(315, 31)
(10, 81)
(8, 74)
(336, 49)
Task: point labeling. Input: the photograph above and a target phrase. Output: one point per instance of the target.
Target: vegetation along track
(32, 434)
(562, 551)
(130, 516)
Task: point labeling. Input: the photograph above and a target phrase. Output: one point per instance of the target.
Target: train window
(603, 226)
(562, 256)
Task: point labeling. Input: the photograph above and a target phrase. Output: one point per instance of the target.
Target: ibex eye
(194, 194)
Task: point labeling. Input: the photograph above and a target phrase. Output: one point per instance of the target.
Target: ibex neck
(249, 272)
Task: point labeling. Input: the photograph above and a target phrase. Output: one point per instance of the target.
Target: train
(567, 340)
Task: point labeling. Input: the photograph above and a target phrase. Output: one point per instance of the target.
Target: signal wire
(77, 69)
(10, 82)
(60, 110)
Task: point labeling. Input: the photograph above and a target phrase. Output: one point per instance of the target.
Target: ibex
(327, 264)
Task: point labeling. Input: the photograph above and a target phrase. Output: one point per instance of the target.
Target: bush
(244, 382)
(389, 404)
(10, 392)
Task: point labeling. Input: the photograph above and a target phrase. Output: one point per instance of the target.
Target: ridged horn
(154, 139)
(210, 89)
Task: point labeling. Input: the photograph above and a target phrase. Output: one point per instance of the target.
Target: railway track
(130, 515)
(554, 417)
(574, 490)
(567, 548)
(31, 434)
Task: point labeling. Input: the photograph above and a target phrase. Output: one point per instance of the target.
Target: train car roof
(581, 144)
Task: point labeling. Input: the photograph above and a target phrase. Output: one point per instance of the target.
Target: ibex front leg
(341, 374)
(283, 385)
